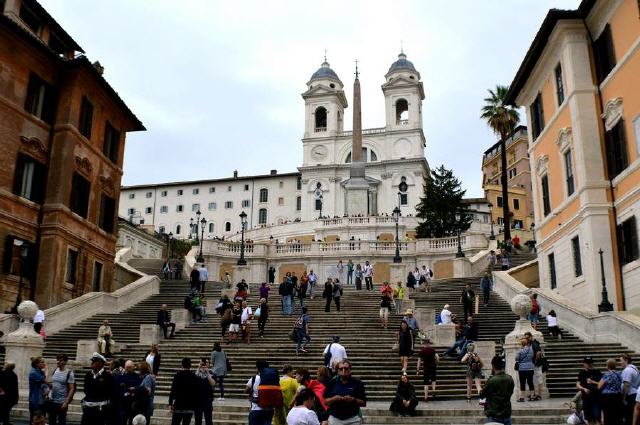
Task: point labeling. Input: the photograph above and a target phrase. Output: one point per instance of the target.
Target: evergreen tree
(441, 203)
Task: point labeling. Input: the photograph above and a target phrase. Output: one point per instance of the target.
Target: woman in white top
(552, 323)
(245, 319)
(302, 414)
(153, 358)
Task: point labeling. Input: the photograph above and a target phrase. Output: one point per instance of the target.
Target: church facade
(391, 154)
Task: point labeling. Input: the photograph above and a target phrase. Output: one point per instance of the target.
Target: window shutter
(8, 254)
(17, 177)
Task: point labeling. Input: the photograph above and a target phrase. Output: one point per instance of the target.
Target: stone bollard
(425, 317)
(150, 334)
(85, 349)
(181, 318)
(444, 335)
(23, 344)
(486, 350)
(396, 272)
(521, 306)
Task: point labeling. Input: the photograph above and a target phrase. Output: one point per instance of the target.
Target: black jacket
(156, 362)
(163, 317)
(101, 388)
(9, 384)
(184, 390)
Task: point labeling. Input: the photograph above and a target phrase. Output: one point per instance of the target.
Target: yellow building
(580, 85)
(518, 180)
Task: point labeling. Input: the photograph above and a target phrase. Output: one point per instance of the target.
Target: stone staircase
(368, 347)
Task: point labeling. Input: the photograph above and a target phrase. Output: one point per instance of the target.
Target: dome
(402, 64)
(325, 71)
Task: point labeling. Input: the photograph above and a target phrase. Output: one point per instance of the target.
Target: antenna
(325, 55)
(357, 73)
(401, 48)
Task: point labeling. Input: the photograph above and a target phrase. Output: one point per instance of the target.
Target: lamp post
(194, 225)
(396, 215)
(203, 223)
(243, 220)
(493, 235)
(24, 252)
(459, 254)
(605, 305)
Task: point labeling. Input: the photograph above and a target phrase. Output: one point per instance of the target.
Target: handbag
(516, 366)
(258, 312)
(395, 347)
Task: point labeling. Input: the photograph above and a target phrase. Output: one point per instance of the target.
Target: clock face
(319, 152)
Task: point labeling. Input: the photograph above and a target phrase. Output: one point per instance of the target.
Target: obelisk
(357, 187)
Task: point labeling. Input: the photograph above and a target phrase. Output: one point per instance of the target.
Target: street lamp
(203, 223)
(243, 220)
(605, 305)
(396, 215)
(493, 235)
(24, 252)
(459, 254)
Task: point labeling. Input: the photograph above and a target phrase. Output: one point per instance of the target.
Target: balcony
(402, 122)
(320, 130)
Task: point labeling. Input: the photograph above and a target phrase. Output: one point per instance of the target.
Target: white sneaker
(220, 399)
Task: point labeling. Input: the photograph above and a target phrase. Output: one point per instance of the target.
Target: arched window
(178, 229)
(227, 226)
(264, 195)
(262, 216)
(321, 119)
(210, 227)
(402, 112)
(368, 155)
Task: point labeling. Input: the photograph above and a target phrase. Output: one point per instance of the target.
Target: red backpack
(269, 391)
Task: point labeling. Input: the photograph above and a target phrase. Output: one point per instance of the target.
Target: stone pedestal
(181, 318)
(461, 267)
(521, 305)
(85, 349)
(425, 317)
(396, 272)
(408, 303)
(441, 335)
(486, 350)
(149, 334)
(21, 345)
(241, 272)
(357, 196)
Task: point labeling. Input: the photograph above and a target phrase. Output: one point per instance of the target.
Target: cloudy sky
(218, 83)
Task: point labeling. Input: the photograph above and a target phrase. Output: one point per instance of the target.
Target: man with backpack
(264, 393)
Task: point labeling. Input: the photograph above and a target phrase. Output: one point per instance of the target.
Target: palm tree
(502, 119)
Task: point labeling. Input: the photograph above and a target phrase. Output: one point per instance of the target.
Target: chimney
(98, 67)
(235, 174)
(273, 172)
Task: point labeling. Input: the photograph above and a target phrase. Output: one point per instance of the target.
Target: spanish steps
(368, 347)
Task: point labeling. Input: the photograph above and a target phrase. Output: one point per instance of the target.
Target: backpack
(299, 324)
(475, 363)
(269, 392)
(327, 355)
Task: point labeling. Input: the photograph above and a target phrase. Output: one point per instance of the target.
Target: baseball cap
(98, 357)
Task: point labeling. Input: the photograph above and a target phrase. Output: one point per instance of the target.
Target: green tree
(502, 119)
(441, 207)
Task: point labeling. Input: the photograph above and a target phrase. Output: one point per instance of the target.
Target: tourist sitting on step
(405, 401)
(191, 308)
(468, 335)
(105, 339)
(163, 319)
(446, 318)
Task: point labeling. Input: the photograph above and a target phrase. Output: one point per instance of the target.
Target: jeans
(350, 277)
(206, 411)
(300, 336)
(56, 415)
(458, 344)
(301, 302)
(468, 311)
(312, 286)
(262, 322)
(398, 306)
(260, 417)
(181, 418)
(287, 308)
(505, 421)
(220, 381)
(166, 326)
(486, 296)
(369, 283)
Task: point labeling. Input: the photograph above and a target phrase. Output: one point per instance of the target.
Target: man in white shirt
(334, 352)
(630, 384)
(38, 320)
(302, 414)
(445, 315)
(313, 278)
(204, 276)
(368, 276)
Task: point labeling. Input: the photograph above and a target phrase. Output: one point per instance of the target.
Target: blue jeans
(350, 277)
(301, 302)
(300, 336)
(458, 344)
(260, 417)
(287, 308)
(312, 285)
(506, 421)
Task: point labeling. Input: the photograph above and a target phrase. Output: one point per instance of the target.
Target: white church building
(392, 154)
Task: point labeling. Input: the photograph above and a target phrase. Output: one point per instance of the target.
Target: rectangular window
(228, 188)
(30, 179)
(163, 193)
(212, 206)
(559, 84)
(212, 190)
(195, 207)
(246, 203)
(179, 208)
(132, 196)
(513, 172)
(264, 195)
(228, 205)
(281, 184)
(111, 147)
(318, 205)
(281, 201)
(627, 241)
(262, 216)
(107, 213)
(552, 271)
(164, 209)
(195, 191)
(148, 210)
(604, 54)
(568, 164)
(299, 203)
(40, 99)
(86, 117)
(246, 187)
(80, 191)
(148, 194)
(499, 201)
(131, 211)
(537, 117)
(516, 204)
(179, 192)
(546, 201)
(97, 276)
(404, 199)
(299, 184)
(616, 150)
(577, 260)
(72, 266)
